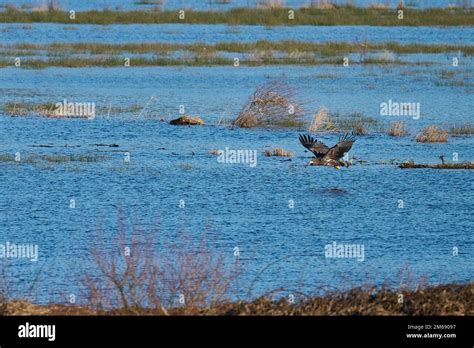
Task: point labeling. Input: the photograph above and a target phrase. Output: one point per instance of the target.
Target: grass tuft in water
(7, 158)
(53, 158)
(432, 134)
(278, 152)
(464, 130)
(355, 122)
(397, 129)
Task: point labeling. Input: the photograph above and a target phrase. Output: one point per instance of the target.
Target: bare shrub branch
(135, 279)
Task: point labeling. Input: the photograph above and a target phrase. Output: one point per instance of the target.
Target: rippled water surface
(191, 33)
(238, 205)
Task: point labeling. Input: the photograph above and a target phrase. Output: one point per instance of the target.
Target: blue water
(234, 204)
(189, 33)
(212, 5)
(219, 92)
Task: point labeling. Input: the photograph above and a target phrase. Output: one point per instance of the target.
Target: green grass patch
(328, 49)
(342, 15)
(355, 122)
(454, 83)
(48, 109)
(7, 158)
(259, 53)
(23, 109)
(72, 158)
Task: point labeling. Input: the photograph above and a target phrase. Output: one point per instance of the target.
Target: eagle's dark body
(325, 156)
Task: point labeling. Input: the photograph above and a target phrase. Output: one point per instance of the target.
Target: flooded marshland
(279, 211)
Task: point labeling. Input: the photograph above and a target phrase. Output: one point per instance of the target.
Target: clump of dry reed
(271, 105)
(321, 122)
(278, 152)
(356, 123)
(451, 299)
(432, 134)
(359, 129)
(397, 129)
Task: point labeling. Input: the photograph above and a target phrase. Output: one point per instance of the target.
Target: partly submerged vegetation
(24, 109)
(259, 53)
(49, 109)
(397, 129)
(261, 59)
(52, 158)
(278, 152)
(413, 165)
(325, 49)
(463, 130)
(277, 105)
(355, 122)
(432, 134)
(336, 15)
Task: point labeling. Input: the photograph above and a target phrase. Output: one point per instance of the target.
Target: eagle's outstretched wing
(318, 148)
(343, 146)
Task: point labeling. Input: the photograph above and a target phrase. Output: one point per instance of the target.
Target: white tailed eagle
(326, 156)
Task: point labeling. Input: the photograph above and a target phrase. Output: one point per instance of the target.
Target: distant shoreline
(342, 15)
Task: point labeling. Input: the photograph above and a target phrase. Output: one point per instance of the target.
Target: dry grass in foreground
(136, 275)
(450, 299)
(432, 134)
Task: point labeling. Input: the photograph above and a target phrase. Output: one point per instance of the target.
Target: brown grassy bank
(463, 165)
(451, 299)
